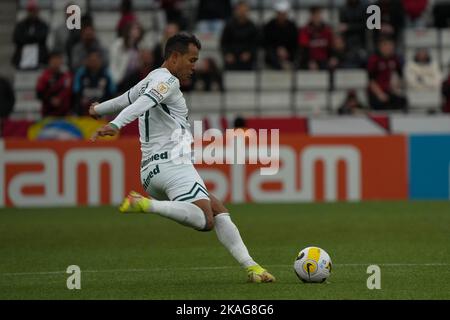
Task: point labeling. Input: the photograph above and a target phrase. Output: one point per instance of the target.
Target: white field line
(224, 268)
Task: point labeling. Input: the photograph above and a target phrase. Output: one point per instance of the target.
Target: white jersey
(164, 128)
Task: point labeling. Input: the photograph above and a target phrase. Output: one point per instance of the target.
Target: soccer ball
(312, 265)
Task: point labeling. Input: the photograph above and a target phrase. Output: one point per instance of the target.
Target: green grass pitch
(149, 257)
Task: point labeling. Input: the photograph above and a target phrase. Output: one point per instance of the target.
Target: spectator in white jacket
(422, 73)
(125, 52)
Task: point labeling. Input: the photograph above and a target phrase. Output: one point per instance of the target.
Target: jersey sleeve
(160, 89)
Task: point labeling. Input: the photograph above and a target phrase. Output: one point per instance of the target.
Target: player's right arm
(112, 106)
(127, 115)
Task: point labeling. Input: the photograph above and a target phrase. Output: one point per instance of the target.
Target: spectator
(315, 41)
(88, 42)
(351, 105)
(146, 64)
(441, 14)
(208, 76)
(422, 73)
(7, 97)
(343, 57)
(127, 16)
(280, 38)
(30, 37)
(74, 36)
(125, 52)
(170, 30)
(239, 40)
(54, 88)
(415, 12)
(93, 83)
(174, 12)
(352, 25)
(392, 20)
(446, 94)
(385, 72)
(212, 15)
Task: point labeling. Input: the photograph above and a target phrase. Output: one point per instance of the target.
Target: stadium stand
(254, 93)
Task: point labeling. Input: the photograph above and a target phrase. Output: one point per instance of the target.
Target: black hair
(180, 43)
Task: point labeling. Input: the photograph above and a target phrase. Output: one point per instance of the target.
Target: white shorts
(175, 182)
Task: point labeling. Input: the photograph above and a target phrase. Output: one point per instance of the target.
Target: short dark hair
(180, 43)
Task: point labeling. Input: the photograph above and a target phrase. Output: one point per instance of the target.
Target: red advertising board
(55, 173)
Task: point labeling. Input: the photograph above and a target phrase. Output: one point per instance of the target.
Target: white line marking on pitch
(223, 268)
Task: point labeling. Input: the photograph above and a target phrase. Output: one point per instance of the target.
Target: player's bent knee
(217, 205)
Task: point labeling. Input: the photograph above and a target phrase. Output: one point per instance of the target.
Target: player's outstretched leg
(185, 213)
(228, 234)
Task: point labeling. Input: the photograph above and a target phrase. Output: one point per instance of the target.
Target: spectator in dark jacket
(7, 98)
(54, 88)
(315, 40)
(146, 64)
(392, 20)
(158, 51)
(342, 57)
(280, 38)
(441, 13)
(385, 73)
(208, 76)
(127, 16)
(212, 15)
(352, 25)
(88, 43)
(30, 36)
(239, 40)
(92, 83)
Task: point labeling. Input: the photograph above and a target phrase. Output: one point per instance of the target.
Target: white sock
(229, 236)
(186, 213)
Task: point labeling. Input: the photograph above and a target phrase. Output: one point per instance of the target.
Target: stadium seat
(446, 58)
(26, 80)
(445, 37)
(350, 79)
(239, 80)
(61, 5)
(312, 80)
(204, 101)
(107, 5)
(424, 100)
(28, 107)
(276, 80)
(107, 37)
(311, 102)
(147, 19)
(242, 101)
(421, 38)
(275, 101)
(106, 20)
(43, 4)
(209, 41)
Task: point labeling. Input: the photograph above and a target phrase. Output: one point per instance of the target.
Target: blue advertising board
(429, 167)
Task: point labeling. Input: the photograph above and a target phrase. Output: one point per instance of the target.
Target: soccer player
(177, 191)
